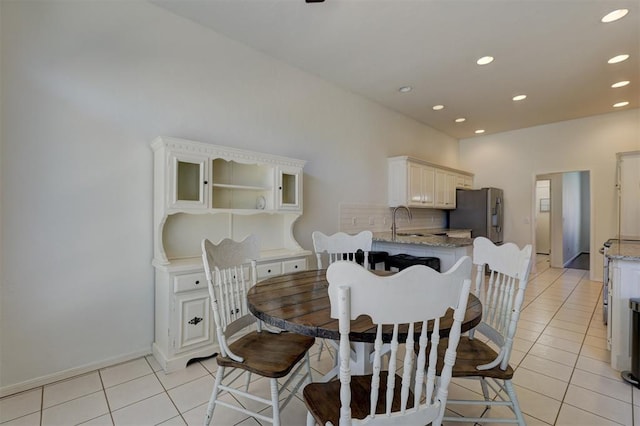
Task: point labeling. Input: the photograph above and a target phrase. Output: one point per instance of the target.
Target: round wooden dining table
(299, 302)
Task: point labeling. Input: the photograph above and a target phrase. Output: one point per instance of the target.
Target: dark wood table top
(299, 302)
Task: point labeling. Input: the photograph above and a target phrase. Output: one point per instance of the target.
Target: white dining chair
(401, 306)
(339, 246)
(245, 348)
(502, 295)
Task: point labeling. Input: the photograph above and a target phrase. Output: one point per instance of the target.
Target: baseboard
(66, 374)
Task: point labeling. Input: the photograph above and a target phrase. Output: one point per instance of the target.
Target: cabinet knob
(195, 320)
(206, 182)
(280, 187)
(295, 267)
(197, 282)
(269, 270)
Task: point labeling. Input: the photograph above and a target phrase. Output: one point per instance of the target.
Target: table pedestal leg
(360, 363)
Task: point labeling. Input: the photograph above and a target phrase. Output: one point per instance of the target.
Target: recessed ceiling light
(618, 58)
(519, 97)
(438, 107)
(620, 104)
(615, 15)
(479, 131)
(460, 120)
(619, 84)
(485, 60)
(405, 89)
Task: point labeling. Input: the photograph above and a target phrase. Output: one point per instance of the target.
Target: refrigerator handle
(499, 214)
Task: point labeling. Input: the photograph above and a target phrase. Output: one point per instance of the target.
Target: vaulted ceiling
(553, 51)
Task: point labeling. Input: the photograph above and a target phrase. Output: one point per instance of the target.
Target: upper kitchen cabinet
(421, 185)
(418, 183)
(445, 189)
(464, 181)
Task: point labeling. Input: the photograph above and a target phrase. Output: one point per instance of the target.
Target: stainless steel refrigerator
(480, 210)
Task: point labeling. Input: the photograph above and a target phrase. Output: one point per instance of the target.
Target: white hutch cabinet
(417, 183)
(215, 192)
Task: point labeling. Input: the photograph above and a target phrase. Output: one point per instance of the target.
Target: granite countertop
(428, 239)
(624, 250)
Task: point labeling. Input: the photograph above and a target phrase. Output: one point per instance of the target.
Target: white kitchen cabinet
(624, 284)
(445, 189)
(417, 183)
(215, 192)
(421, 185)
(464, 181)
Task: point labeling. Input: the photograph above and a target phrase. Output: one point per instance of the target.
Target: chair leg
(275, 402)
(308, 362)
(514, 401)
(214, 395)
(321, 349)
(247, 381)
(310, 420)
(485, 391)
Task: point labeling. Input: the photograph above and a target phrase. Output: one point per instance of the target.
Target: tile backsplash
(377, 218)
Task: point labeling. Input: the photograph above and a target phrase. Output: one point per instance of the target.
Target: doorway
(562, 218)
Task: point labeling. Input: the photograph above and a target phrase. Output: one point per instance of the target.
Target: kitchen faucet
(394, 227)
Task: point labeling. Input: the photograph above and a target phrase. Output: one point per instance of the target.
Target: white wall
(511, 160)
(570, 216)
(86, 86)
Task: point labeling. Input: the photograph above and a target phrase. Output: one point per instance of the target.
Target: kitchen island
(427, 242)
(624, 284)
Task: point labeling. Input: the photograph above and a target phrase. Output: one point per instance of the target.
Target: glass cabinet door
(289, 191)
(189, 182)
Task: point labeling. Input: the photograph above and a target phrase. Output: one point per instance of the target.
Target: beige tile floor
(562, 375)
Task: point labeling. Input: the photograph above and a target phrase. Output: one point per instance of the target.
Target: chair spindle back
(342, 246)
(402, 306)
(230, 268)
(502, 293)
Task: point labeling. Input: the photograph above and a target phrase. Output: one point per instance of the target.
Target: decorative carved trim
(227, 153)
